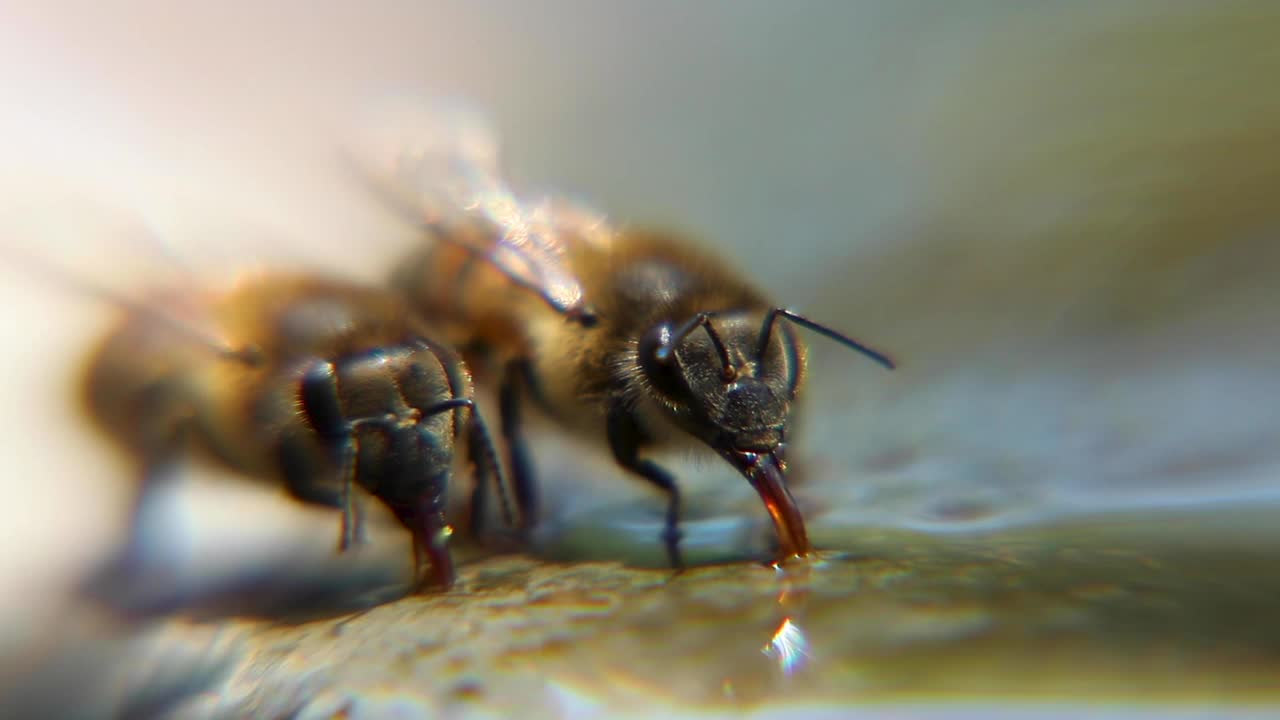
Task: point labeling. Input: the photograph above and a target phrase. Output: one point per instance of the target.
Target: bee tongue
(766, 477)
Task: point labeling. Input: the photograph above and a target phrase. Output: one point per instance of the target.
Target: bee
(635, 337)
(310, 381)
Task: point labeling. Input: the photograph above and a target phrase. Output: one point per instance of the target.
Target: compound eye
(658, 359)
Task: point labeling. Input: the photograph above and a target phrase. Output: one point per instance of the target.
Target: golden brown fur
(176, 360)
(637, 338)
(576, 367)
(720, 388)
(312, 382)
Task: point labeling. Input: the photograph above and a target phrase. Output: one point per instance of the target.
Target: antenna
(703, 319)
(767, 329)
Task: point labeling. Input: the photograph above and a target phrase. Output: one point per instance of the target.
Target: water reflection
(789, 647)
(1120, 610)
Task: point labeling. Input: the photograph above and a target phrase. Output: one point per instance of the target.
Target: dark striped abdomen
(384, 406)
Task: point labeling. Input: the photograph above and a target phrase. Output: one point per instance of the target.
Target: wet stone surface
(1170, 608)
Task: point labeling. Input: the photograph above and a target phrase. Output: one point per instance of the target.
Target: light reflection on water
(1117, 612)
(789, 647)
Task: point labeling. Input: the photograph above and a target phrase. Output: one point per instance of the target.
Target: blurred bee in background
(634, 335)
(315, 382)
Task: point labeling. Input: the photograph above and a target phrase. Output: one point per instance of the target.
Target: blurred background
(1059, 217)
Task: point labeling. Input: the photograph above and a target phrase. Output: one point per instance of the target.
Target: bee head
(730, 378)
(723, 385)
(732, 386)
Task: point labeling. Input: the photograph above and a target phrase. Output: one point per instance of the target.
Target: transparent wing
(71, 244)
(73, 239)
(439, 164)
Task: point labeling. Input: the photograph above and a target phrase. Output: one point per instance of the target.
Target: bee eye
(662, 369)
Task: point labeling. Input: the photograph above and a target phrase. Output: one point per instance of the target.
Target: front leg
(484, 458)
(125, 579)
(323, 408)
(515, 378)
(625, 439)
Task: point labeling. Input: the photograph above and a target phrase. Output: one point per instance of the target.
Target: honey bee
(314, 382)
(635, 337)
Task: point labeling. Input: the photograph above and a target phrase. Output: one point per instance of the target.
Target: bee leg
(484, 456)
(161, 464)
(352, 512)
(625, 438)
(126, 579)
(517, 373)
(479, 497)
(430, 530)
(431, 537)
(301, 467)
